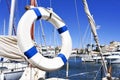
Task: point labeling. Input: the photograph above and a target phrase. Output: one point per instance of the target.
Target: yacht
(114, 57)
(11, 70)
(97, 58)
(109, 57)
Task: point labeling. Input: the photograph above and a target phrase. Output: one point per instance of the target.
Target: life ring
(27, 46)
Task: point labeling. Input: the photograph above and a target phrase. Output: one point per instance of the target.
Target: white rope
(42, 29)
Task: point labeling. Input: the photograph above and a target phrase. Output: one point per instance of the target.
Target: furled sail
(9, 48)
(93, 28)
(91, 20)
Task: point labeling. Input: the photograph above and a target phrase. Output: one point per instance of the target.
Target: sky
(106, 14)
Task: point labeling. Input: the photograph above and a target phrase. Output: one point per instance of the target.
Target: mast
(32, 3)
(11, 17)
(93, 28)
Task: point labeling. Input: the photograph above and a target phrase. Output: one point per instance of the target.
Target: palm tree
(118, 48)
(88, 48)
(93, 46)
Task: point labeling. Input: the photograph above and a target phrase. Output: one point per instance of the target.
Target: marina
(79, 70)
(42, 40)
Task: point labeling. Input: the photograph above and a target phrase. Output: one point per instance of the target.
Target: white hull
(86, 58)
(19, 71)
(114, 57)
(110, 57)
(14, 75)
(113, 61)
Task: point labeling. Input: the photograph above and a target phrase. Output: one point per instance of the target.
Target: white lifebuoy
(26, 45)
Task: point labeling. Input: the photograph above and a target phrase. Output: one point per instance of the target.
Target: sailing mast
(11, 17)
(93, 28)
(32, 3)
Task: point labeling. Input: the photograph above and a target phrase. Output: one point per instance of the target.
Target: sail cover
(91, 21)
(10, 49)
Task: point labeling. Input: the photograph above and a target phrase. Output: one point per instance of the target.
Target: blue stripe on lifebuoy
(62, 56)
(62, 29)
(37, 12)
(31, 52)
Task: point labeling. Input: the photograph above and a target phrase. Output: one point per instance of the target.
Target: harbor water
(79, 70)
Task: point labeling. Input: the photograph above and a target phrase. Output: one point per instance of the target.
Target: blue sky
(106, 14)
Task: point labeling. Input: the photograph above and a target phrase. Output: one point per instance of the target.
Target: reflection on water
(83, 70)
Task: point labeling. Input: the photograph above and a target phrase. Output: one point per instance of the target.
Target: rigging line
(54, 36)
(80, 74)
(43, 34)
(98, 72)
(38, 35)
(85, 34)
(54, 30)
(88, 38)
(77, 14)
(42, 29)
(78, 22)
(49, 11)
(8, 6)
